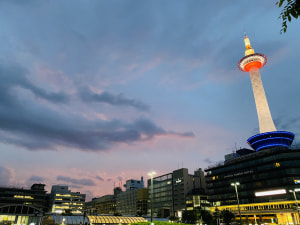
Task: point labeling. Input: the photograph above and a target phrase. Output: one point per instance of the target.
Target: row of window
(255, 160)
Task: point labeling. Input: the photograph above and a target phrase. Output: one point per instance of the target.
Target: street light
(151, 175)
(237, 197)
(293, 191)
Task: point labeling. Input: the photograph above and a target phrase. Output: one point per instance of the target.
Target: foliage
(227, 216)
(203, 216)
(189, 217)
(173, 218)
(291, 9)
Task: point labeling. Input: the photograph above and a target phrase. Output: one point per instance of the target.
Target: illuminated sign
(297, 181)
(178, 181)
(273, 192)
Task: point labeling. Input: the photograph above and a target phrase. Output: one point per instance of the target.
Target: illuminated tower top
(249, 50)
(251, 60)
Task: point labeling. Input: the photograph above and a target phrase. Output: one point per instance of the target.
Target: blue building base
(271, 139)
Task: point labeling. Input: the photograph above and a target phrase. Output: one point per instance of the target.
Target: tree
(189, 217)
(290, 9)
(206, 217)
(227, 216)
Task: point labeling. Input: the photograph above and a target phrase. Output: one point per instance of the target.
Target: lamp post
(235, 184)
(151, 175)
(293, 191)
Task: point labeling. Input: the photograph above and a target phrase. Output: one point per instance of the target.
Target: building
(266, 182)
(171, 191)
(134, 184)
(22, 206)
(35, 196)
(105, 205)
(65, 201)
(132, 202)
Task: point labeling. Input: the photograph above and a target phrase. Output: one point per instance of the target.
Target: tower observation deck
(268, 136)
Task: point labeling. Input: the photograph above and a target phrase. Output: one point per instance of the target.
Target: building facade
(35, 196)
(171, 191)
(132, 202)
(65, 201)
(106, 205)
(23, 206)
(266, 183)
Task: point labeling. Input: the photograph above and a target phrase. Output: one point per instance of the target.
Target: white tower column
(265, 120)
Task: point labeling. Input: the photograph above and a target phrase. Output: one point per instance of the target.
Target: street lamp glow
(235, 184)
(151, 173)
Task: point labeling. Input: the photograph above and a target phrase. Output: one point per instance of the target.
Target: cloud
(35, 179)
(286, 123)
(99, 178)
(5, 176)
(73, 181)
(27, 123)
(14, 76)
(208, 161)
(117, 100)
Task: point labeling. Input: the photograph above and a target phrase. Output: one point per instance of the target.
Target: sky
(94, 93)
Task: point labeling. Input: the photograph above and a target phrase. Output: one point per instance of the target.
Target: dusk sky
(93, 92)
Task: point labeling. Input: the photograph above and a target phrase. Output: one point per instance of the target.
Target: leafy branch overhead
(290, 9)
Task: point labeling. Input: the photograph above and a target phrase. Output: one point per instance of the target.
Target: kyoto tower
(268, 136)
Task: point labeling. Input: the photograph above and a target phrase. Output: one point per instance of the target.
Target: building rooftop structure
(134, 184)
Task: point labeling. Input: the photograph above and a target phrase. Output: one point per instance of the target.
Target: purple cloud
(73, 181)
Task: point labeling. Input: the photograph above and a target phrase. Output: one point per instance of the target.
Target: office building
(65, 201)
(105, 205)
(267, 184)
(35, 196)
(132, 202)
(170, 192)
(22, 206)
